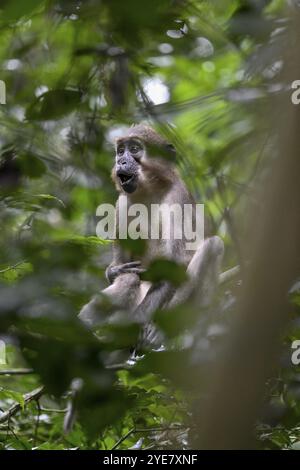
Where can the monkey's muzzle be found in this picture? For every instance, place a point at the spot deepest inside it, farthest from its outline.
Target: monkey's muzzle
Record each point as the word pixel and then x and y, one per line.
pixel 127 181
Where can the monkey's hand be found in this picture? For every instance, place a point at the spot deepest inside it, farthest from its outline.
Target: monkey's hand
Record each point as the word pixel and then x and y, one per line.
pixel 112 272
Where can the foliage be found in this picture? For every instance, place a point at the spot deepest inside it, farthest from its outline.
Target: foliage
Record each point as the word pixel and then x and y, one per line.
pixel 204 72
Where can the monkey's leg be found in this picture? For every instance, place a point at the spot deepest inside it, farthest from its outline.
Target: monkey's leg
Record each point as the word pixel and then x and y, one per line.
pixel 157 296
pixel 203 272
pixel 123 294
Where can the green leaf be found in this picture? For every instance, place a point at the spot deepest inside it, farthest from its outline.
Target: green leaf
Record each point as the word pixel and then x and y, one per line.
pixel 89 241
pixel 16 396
pixel 135 247
pixel 32 166
pixel 49 197
pixel 54 104
pixel 14 9
pixel 96 411
pixel 175 321
pixel 118 336
pixel 173 365
pixel 11 274
pixel 165 270
pixel 50 446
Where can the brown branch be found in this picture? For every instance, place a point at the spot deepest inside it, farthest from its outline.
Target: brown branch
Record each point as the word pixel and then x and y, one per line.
pixel 238 383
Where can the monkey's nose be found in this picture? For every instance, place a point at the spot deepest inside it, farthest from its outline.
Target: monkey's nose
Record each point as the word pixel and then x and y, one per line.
pixel 122 170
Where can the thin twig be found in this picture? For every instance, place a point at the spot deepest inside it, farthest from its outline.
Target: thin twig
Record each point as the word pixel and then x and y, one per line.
pixel 37 423
pixel 123 438
pixel 146 430
pixel 28 397
pixel 10 429
pixel 123 365
pixel 14 266
pixel 53 410
pixel 16 371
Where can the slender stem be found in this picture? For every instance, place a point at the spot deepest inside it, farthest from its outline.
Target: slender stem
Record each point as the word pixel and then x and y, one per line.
pixel 123 438
pixel 9 268
pixel 145 430
pixel 28 397
pixel 16 371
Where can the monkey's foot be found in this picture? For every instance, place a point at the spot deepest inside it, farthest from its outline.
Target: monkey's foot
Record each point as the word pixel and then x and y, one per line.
pixel 132 267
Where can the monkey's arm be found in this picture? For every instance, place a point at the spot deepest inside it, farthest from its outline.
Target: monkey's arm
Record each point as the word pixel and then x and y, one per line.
pixel 157 296
pixel 121 265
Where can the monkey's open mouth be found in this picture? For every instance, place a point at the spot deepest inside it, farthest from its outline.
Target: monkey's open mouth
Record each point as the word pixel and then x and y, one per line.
pixel 125 179
pixel 128 182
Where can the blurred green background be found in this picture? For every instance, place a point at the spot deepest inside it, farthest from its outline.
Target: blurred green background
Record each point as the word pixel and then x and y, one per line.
pixel 76 73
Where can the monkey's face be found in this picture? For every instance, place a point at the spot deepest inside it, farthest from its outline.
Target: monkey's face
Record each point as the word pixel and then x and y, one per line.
pixel 128 157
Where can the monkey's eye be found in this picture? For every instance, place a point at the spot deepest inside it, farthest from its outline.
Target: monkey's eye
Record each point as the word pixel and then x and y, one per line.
pixel 135 148
pixel 121 150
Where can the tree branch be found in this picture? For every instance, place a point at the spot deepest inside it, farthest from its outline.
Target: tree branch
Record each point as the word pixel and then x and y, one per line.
pixel 28 397
pixel 16 371
pixel 9 268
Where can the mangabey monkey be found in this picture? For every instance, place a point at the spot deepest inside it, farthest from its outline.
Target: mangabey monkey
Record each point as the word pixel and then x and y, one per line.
pixel 145 173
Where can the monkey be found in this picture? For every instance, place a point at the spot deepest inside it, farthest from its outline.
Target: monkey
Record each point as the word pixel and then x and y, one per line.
pixel 145 172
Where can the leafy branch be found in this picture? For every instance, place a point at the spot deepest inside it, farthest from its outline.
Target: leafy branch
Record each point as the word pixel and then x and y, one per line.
pixel 28 397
